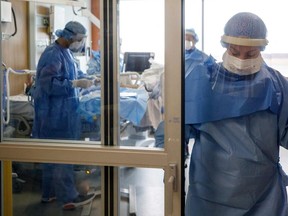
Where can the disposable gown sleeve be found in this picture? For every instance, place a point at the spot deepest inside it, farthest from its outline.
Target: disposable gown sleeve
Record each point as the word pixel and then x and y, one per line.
pixel 53 80
pixel 284 139
pixel 283 128
pixel 81 74
pixel 159 135
pixel 283 114
pixel 190 132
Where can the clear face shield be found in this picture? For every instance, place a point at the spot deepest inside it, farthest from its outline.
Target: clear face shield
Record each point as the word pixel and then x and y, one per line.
pixel 241 61
pixel 244 58
pixel 190 40
pixel 188 45
pixel 78 44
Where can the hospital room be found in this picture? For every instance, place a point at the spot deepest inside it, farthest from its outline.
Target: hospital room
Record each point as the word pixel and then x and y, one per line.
pixel 143 107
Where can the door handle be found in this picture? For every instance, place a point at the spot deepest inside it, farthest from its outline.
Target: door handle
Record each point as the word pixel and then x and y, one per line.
pixel 172 187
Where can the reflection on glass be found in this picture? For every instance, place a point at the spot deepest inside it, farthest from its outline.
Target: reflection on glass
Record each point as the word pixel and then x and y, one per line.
pixel 52 189
pixel 141 71
pixel 145 189
pixel 50 102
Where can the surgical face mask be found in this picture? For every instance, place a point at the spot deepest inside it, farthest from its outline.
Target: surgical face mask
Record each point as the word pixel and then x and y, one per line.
pixel 188 45
pixel 242 67
pixel 77 46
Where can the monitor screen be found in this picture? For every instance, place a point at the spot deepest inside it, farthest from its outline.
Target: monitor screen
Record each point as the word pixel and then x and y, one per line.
pixel 137 61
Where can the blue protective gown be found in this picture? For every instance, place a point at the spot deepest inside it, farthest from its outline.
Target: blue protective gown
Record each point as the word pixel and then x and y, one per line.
pixel 193 57
pixel 55 100
pixel 56 117
pixel 238 123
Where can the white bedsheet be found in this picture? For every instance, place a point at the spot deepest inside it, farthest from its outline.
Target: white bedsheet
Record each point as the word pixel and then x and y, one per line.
pixel 19 105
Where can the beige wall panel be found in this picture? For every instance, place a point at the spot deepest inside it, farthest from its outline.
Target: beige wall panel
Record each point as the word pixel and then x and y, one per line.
pixel 15 50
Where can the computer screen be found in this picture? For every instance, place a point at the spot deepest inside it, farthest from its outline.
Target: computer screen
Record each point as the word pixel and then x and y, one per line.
pixel 137 61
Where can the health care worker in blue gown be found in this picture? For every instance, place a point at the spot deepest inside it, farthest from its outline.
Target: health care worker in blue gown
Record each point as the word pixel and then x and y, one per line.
pixel 56 102
pixel 193 56
pixel 237 112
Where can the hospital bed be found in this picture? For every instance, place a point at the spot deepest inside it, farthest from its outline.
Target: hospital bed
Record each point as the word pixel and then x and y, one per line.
pixel 19 110
pixel 132 107
pixel 139 113
pixel 18 107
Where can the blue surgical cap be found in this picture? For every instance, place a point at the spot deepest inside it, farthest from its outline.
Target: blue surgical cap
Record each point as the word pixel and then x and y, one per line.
pixel 73 29
pixel 245 25
pixel 192 32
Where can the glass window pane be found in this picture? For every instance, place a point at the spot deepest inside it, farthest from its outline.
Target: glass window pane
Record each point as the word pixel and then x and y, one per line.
pixel 58 97
pixel 141 190
pixel 145 188
pixel 141 70
pixel 55 189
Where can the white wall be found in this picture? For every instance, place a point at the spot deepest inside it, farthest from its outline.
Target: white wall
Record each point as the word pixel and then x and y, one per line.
pixel 142 27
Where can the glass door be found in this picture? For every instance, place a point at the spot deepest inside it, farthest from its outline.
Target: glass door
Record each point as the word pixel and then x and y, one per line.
pixel 113 167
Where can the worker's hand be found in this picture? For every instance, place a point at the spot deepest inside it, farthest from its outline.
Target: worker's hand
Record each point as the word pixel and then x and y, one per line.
pixel 82 83
pixel 97 81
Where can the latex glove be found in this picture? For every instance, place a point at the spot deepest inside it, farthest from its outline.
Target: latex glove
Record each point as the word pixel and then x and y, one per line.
pixel 97 81
pixel 82 83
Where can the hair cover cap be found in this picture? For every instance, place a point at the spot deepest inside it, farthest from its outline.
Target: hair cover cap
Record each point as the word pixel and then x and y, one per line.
pixel 245 29
pixel 72 30
pixel 192 32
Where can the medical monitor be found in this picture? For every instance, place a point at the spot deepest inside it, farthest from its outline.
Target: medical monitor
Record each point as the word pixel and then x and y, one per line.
pixel 137 61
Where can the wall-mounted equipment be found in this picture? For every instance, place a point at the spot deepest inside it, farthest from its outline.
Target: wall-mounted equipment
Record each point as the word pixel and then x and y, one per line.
pixel 74 3
pixel 6 12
